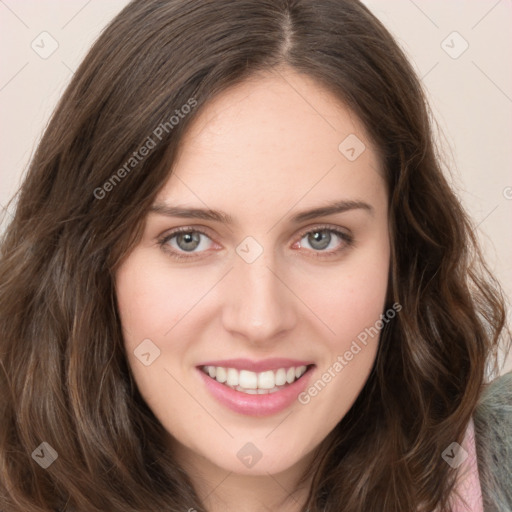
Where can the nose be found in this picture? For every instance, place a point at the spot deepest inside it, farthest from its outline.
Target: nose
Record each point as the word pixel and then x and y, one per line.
pixel 259 306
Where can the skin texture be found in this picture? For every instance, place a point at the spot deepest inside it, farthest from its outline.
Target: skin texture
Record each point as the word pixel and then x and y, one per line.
pixel 261 152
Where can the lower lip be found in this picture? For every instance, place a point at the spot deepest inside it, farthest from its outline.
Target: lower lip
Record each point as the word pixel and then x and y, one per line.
pixel 256 405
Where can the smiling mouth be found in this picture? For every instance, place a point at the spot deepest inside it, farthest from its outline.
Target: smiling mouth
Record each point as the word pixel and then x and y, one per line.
pixel 256 383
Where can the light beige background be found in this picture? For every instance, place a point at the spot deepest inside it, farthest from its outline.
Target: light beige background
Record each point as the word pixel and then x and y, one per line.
pixel 470 91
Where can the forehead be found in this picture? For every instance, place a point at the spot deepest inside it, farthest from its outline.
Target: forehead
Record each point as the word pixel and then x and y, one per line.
pixel 273 138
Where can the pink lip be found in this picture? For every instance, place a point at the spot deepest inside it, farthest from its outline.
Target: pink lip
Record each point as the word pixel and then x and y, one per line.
pixel 257 366
pixel 256 405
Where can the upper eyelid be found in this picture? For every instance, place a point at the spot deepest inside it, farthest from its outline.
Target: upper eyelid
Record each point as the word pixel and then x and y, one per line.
pixel 320 227
pixel 205 230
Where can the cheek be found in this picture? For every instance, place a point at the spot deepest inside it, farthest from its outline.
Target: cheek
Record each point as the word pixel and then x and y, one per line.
pixel 350 302
pixel 152 300
pixel 349 298
pixel 351 309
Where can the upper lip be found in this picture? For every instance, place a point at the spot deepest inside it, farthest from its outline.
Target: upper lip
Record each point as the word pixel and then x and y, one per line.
pixel 257 366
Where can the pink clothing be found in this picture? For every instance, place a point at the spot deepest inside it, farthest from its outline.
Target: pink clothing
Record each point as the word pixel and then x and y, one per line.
pixel 468 482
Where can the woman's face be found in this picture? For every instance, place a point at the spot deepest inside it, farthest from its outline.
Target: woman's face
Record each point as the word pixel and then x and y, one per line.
pixel 259 286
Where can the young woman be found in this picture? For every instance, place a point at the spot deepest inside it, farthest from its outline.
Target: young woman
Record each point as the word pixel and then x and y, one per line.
pixel 236 278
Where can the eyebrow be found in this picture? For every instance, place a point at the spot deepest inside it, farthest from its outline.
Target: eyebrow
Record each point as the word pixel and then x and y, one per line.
pixel 224 218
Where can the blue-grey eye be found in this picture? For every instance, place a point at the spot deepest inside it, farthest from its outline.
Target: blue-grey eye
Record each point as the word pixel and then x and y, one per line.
pixel 320 239
pixel 188 241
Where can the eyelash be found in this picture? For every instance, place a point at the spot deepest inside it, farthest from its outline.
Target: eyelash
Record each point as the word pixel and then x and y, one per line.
pixel 345 237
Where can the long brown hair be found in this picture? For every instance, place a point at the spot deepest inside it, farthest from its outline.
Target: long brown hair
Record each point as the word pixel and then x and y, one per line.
pixel 64 378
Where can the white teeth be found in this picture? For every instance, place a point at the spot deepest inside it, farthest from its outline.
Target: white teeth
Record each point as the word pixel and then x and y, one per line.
pixel 281 377
pixel 232 379
pixel 253 383
pixel 266 380
pixel 248 380
pixel 257 391
pixel 221 374
pixel 299 371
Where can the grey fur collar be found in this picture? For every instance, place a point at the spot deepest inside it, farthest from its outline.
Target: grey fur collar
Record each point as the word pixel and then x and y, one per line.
pixel 493 441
